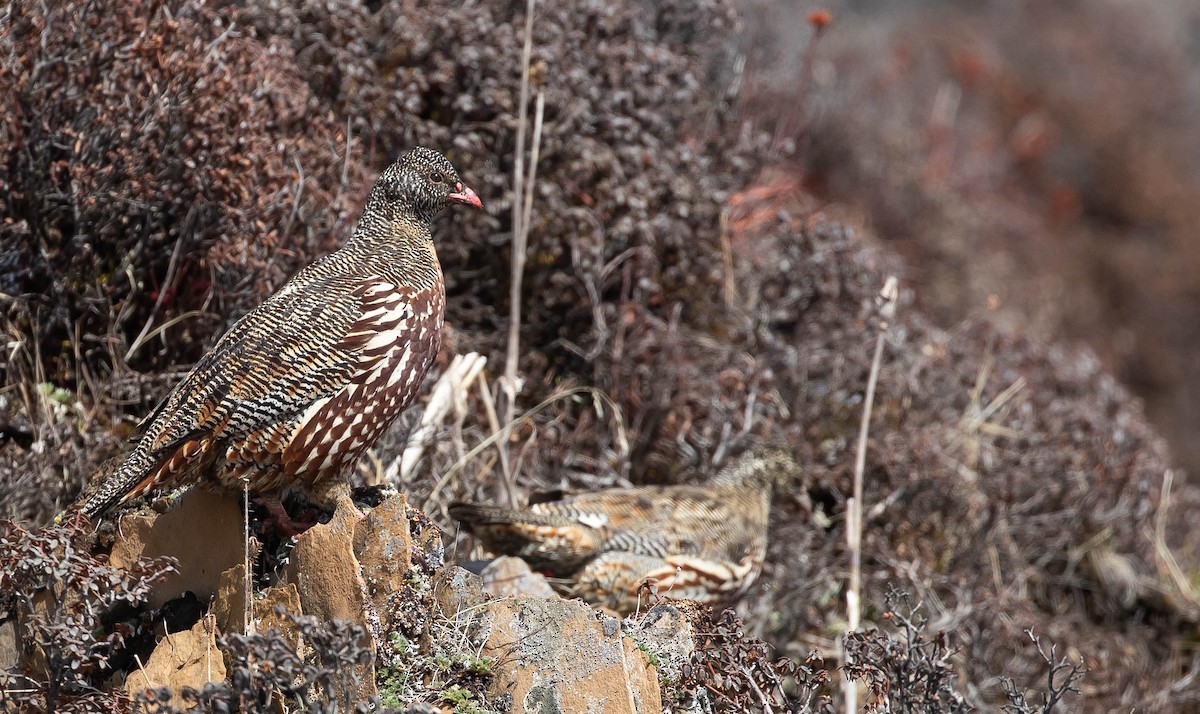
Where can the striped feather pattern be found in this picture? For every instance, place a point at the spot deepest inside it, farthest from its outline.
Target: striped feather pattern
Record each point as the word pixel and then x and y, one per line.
pixel 298 388
pixel 700 542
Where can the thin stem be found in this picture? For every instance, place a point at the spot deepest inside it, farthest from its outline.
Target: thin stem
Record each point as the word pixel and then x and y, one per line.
pixel 522 209
pixel 248 605
pixel 854 510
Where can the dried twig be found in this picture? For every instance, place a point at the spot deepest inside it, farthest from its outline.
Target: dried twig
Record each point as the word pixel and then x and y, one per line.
pixel 792 130
pixel 247 582
pixel 163 290
pixel 1057 686
pixel 730 287
pixel 976 420
pixel 489 409
pixel 142 670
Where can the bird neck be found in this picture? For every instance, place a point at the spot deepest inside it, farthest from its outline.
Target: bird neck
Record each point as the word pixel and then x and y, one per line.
pixel 396 245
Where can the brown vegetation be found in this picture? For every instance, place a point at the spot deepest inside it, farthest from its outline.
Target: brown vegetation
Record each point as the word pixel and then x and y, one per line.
pixel 169 164
pixel 1034 163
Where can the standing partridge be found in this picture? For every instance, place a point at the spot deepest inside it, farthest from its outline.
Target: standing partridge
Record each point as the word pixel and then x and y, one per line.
pixel 703 543
pixel 295 391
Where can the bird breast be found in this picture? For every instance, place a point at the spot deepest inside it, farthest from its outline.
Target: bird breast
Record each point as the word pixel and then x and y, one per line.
pixel 396 339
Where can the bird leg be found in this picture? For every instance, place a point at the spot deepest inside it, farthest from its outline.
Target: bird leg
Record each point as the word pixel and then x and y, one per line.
pixel 279 520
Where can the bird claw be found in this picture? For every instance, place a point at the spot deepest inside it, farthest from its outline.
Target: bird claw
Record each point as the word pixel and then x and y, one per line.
pixel 279 520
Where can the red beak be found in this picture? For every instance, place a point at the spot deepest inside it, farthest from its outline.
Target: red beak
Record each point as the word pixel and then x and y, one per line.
pixel 463 194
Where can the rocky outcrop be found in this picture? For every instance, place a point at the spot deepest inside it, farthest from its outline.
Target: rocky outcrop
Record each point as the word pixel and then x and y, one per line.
pixel 325 571
pixel 557 655
pixel 362 612
pixel 181 659
pixel 271 606
pixel 203 533
pixel 508 576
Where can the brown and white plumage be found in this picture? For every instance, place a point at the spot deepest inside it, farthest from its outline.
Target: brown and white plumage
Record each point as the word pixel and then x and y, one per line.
pixel 703 543
pixel 295 391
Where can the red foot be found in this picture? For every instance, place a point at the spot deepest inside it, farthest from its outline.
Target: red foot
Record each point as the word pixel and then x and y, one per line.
pixel 280 521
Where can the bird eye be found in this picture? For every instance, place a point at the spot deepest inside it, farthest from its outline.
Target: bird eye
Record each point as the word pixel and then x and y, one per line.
pixel 436 177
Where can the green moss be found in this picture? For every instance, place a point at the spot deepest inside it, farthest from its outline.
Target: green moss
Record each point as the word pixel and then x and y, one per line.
pixel 462 701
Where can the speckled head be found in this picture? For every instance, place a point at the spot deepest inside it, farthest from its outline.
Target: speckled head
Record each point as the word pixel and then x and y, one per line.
pixel 766 468
pixel 422 182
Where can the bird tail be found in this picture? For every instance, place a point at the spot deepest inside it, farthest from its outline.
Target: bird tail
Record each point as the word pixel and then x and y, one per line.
pixel 118 481
pixel 473 515
pixel 547 541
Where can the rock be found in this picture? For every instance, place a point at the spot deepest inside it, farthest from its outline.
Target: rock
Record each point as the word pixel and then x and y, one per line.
pixel 426 540
pixel 230 600
pixel 666 633
pixel 642 676
pixel 228 605
pixel 373 552
pixel 399 551
pixel 272 608
pixel 555 655
pixel 457 596
pixel 204 533
pixel 382 548
pixel 181 659
pixel 361 569
pixel 10 645
pixel 324 570
pixel 507 576
pixel 327 578
pixel 455 590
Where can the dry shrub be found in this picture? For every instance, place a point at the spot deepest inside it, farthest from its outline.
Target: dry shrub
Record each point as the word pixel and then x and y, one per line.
pixel 268 669
pixel 161 168
pixel 1036 163
pixel 73 616
pixel 731 672
pixel 983 504
pixel 706 341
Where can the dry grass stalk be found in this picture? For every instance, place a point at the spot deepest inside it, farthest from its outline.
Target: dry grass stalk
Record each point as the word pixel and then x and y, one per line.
pixel 522 210
pixel 730 288
pixel 1183 585
pixel 247 580
pixel 450 391
pixel 976 421
pixel 600 401
pixel 886 303
pixel 172 267
pixel 489 409
pixel 142 671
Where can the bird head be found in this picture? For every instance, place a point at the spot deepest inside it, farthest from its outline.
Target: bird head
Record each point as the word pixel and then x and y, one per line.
pixel 422 183
pixel 766 467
